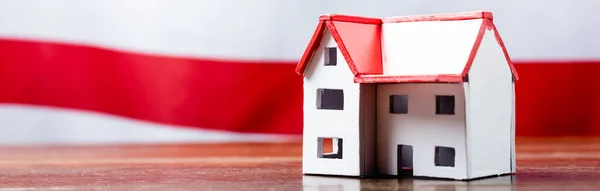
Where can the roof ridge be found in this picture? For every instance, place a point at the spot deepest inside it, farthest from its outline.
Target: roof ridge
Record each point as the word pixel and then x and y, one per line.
pixel 350 18
pixel 440 17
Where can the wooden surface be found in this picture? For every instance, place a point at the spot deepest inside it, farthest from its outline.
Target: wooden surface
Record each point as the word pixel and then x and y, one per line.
pixel 543 164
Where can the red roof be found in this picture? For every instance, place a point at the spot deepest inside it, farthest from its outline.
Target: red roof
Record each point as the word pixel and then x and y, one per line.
pixel 359 40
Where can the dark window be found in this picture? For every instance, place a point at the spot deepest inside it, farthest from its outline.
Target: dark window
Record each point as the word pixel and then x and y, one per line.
pixel 405 156
pixel 444 156
pixel 329 148
pixel 332 99
pixel 444 104
pixel 405 160
pixel 399 104
pixel 330 56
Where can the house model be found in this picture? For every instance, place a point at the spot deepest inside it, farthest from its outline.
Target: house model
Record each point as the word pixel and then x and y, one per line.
pixel 423 96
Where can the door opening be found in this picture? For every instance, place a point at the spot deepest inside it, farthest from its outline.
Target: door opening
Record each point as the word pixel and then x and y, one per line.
pixel 405 160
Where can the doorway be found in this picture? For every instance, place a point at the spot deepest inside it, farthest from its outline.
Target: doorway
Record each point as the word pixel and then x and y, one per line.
pixel 405 160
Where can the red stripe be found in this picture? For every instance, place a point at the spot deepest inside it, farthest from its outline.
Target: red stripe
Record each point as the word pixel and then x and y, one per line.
pixel 557 98
pixel 553 97
pixel 225 95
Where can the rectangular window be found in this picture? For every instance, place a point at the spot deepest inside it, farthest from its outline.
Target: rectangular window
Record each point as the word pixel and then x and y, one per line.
pixel 405 156
pixel 331 99
pixel 444 156
pixel 330 56
pixel 399 104
pixel 444 104
pixel 330 148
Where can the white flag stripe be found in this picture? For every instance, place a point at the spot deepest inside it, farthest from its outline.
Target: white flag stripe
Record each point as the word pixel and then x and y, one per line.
pixel 279 30
pixel 22 125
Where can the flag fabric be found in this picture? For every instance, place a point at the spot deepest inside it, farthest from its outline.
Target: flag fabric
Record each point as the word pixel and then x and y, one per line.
pixel 85 71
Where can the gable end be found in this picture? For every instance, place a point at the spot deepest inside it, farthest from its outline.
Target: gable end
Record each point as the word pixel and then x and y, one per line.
pixel 486 25
pixel 311 48
pixel 363 55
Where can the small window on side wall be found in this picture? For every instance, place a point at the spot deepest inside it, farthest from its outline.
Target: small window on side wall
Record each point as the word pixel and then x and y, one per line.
pixel 329 147
pixel 330 56
pixel 399 104
pixel 444 104
pixel 444 156
pixel 330 99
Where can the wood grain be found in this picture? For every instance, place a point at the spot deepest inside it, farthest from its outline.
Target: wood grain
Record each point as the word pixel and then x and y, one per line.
pixel 571 163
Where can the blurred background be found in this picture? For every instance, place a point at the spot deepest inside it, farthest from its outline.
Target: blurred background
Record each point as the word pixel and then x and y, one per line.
pixel 133 71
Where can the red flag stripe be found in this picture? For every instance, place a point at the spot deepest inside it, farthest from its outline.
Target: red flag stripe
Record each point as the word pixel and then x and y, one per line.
pixel 558 98
pixel 554 98
pixel 223 95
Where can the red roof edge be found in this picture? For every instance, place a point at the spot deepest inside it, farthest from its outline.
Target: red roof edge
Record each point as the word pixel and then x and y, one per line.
pixel 447 78
pixel 482 28
pixel 501 43
pixel 310 49
pixel 441 17
pixel 350 18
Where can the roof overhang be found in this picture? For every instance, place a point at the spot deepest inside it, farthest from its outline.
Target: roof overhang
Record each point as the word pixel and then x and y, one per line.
pixel 448 78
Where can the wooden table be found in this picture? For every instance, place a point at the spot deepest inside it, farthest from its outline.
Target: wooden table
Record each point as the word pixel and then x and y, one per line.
pixel 543 164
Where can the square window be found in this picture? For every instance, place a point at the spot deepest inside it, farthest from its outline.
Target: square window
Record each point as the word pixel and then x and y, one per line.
pixel 399 104
pixel 331 99
pixel 330 56
pixel 444 104
pixel 330 148
pixel 444 156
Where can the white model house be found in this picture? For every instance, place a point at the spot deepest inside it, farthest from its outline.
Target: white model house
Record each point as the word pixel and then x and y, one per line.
pixel 425 96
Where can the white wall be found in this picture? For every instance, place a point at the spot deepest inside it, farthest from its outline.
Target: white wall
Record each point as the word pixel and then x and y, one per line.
pixel 513 131
pixel 331 123
pixel 421 128
pixel 489 126
pixel 408 46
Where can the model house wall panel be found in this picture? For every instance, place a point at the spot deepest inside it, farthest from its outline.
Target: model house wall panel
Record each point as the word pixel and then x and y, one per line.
pixel 368 122
pixel 331 123
pixel 428 47
pixel 466 93
pixel 512 133
pixel 491 107
pixel 421 128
